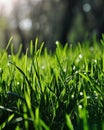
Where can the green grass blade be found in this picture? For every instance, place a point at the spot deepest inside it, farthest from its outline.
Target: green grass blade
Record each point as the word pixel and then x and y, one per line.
pixel 22 73
pixel 69 123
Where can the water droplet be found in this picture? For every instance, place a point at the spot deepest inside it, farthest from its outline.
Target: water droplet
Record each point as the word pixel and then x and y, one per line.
pixel 81 93
pixel 8 64
pixel 9 56
pixel 80 56
pixel 57 42
pixel 80 106
pixel 88 97
pixel 18 83
pixel 95 61
pixel 72 96
pixel 43 67
pixel 64 69
pixel 74 67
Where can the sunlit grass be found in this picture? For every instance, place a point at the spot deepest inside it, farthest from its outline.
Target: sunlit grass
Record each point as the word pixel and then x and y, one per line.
pixel 60 91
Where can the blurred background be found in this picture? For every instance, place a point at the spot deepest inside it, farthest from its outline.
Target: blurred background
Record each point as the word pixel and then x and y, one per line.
pixel 50 20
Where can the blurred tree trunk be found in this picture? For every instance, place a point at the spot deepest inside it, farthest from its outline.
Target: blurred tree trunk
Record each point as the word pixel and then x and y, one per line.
pixel 99 15
pixel 22 37
pixel 67 19
pixel 19 31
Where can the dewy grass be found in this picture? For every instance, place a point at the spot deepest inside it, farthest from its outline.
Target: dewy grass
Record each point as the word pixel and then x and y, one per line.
pixel 59 91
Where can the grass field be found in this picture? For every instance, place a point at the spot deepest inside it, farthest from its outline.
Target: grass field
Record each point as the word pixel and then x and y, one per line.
pixel 60 91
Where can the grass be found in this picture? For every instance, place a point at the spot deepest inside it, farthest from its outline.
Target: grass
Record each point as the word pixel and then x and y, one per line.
pixel 61 91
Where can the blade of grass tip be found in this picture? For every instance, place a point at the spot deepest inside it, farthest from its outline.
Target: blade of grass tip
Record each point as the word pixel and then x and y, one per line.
pixel 10 117
pixel 9 43
pixel 69 123
pixel 36 44
pixel 38 51
pixel 2 126
pixel 7 47
pixel 31 48
pixel 17 128
pixel 22 73
pixel 12 49
pixel 19 50
pixel 41 47
pixel 59 64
